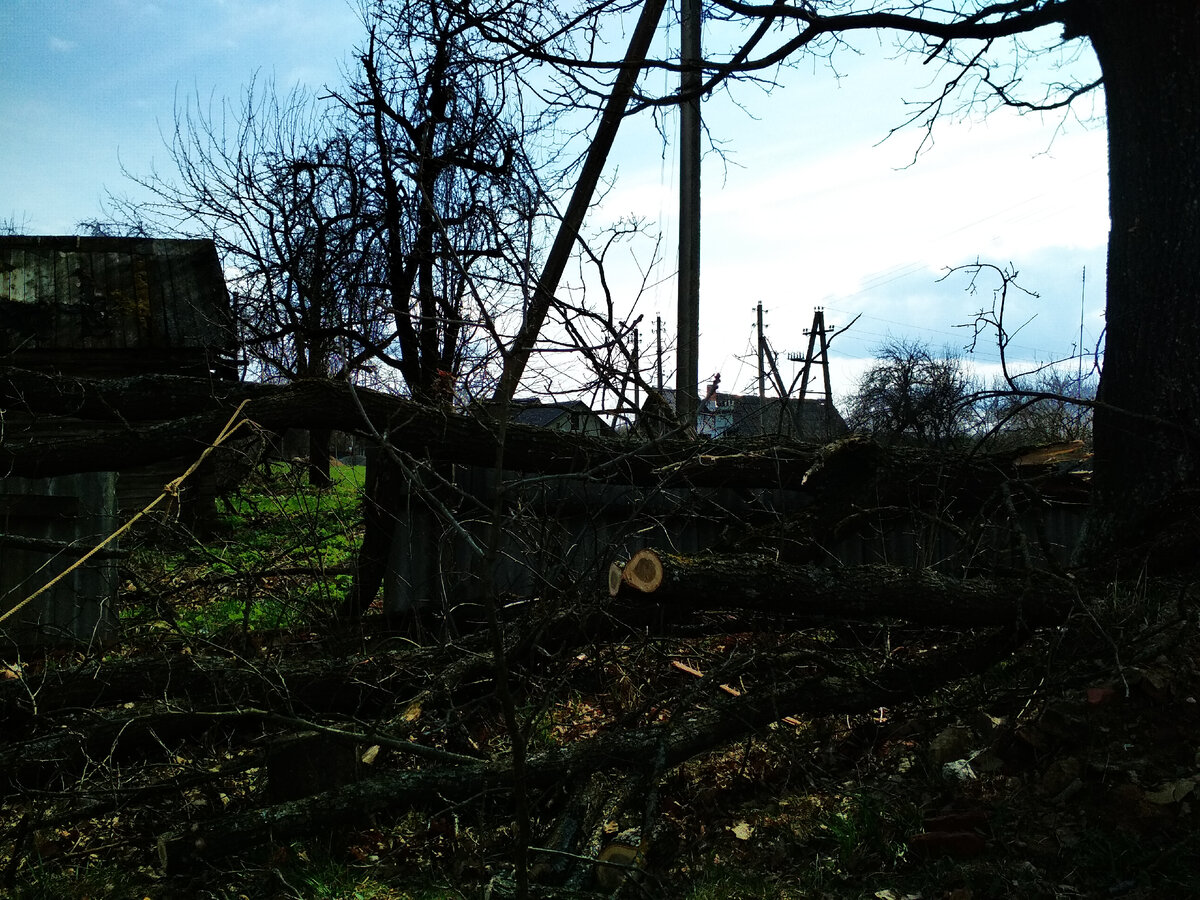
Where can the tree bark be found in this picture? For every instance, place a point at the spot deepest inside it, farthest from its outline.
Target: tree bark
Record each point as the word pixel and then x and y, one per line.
pixel 751 583
pixel 319 443
pixel 1146 429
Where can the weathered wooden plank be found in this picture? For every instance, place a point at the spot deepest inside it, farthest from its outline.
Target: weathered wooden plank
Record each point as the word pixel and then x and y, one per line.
pixel 74 510
pixel 96 325
pixel 44 281
pixel 9 269
pixel 65 287
pixel 118 301
pixel 140 276
pixel 165 289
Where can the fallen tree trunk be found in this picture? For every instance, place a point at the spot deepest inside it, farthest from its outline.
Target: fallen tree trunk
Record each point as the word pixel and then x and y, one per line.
pixel 201 408
pixel 658 748
pixel 351 685
pixel 82 743
pixel 139 433
pixel 854 593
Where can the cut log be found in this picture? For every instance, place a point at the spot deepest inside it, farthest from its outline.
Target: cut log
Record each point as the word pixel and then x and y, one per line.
pixel 614 578
pixel 752 583
pixel 643 572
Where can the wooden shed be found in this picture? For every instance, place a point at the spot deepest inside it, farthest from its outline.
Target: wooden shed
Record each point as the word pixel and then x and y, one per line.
pixel 112 307
pixel 84 307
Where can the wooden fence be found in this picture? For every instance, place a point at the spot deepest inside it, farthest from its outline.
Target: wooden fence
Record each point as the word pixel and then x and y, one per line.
pixel 558 532
pixel 68 516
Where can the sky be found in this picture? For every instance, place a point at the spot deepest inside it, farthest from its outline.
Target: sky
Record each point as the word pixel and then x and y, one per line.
pixel 806 205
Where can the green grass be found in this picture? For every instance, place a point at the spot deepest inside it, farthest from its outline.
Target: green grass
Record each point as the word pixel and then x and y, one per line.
pixel 51 882
pixel 273 561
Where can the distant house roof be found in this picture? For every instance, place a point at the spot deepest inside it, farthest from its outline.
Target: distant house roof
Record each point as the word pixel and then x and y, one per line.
pixel 735 415
pixel 114 306
pixel 566 415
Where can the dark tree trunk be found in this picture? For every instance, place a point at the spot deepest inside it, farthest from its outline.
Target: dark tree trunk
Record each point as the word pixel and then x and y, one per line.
pixel 751 583
pixel 379 525
pixel 1146 431
pixel 319 444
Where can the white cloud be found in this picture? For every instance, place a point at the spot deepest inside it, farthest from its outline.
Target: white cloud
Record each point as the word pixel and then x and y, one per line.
pixel 62 45
pixel 799 225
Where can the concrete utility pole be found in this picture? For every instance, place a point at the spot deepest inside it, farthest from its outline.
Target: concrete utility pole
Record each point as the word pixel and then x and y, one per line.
pixel 687 376
pixel 658 340
pixel 762 368
pixel 818 332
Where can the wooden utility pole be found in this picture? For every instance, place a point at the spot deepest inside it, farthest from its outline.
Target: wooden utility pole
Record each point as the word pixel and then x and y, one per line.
pixel 817 333
pixel 589 176
pixel 637 374
pixel 687 352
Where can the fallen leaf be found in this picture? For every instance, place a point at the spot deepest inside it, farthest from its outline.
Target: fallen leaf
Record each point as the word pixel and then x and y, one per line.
pixel 742 831
pixel 1172 792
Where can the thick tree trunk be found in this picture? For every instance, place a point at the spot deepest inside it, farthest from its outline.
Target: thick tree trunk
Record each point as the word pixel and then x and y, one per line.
pixel 136 433
pixel 102 425
pixel 380 500
pixel 1146 431
pixel 319 441
pixel 751 583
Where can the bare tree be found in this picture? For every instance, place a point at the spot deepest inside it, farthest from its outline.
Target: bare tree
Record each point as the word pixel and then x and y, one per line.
pixel 1144 60
pixel 275 184
pixel 452 191
pixel 1043 407
pixel 911 395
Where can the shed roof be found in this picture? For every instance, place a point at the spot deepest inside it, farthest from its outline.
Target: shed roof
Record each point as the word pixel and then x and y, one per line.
pixel 70 294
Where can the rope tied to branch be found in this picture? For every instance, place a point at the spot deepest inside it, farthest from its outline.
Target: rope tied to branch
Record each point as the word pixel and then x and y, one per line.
pixel 171 489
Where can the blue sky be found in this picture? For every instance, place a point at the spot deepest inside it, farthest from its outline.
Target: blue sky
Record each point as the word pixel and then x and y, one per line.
pixel 808 209
pixel 89 83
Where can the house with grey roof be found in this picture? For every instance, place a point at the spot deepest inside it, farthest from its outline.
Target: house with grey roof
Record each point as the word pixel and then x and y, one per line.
pixel 572 416
pixel 736 416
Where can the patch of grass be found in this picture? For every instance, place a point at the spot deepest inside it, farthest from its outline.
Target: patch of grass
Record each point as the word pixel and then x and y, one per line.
pixel 220 614
pixel 721 882
pixel 868 833
pixel 96 881
pixel 279 558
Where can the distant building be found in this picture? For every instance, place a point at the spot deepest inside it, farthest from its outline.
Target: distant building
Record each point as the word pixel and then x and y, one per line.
pixel 736 416
pixel 573 416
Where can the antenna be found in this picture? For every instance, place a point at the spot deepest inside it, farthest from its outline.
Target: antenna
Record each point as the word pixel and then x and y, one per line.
pixel 1082 296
